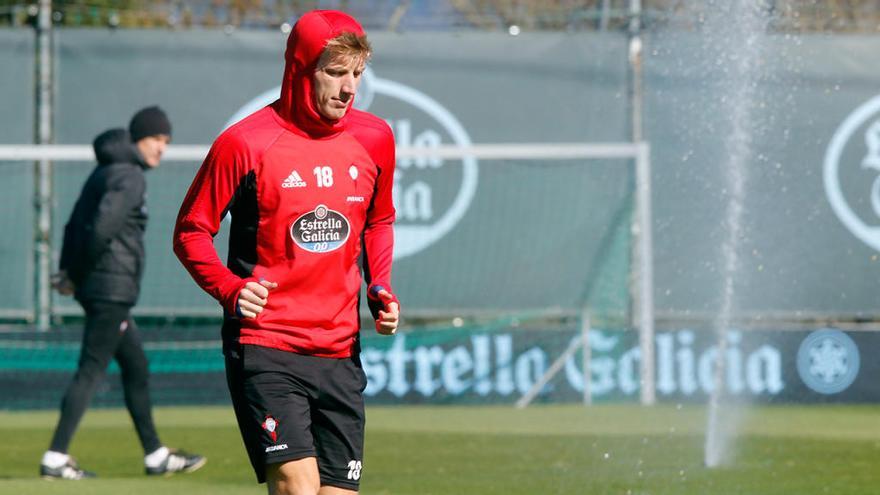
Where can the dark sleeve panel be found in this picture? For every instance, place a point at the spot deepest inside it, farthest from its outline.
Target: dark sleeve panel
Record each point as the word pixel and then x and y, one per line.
pixel 212 193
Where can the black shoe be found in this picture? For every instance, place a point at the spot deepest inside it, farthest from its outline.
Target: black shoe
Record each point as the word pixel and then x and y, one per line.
pixel 178 461
pixel 69 471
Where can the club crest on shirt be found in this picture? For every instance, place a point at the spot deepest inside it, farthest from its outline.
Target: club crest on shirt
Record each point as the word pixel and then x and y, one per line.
pixel 320 231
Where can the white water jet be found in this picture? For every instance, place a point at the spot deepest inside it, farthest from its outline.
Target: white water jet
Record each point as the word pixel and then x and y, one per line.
pixel 736 29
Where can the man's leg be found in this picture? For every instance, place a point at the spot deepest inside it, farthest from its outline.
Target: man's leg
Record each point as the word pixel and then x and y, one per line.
pixel 158 459
pixel 338 421
pixel 272 409
pixel 100 338
pixel 135 383
pixel 332 490
pixel 249 428
pixel 299 477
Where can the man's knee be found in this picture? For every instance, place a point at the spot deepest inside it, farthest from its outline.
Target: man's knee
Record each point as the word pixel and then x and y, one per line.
pixel 135 372
pixel 90 370
pixel 292 487
pixel 299 477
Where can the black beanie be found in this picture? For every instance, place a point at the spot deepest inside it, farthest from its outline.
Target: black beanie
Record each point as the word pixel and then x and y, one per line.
pixel 150 121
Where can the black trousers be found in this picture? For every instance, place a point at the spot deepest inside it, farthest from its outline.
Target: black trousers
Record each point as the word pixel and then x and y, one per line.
pixel 110 332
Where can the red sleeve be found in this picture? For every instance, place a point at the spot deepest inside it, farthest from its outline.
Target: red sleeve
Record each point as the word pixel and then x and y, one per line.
pixel 378 231
pixel 209 197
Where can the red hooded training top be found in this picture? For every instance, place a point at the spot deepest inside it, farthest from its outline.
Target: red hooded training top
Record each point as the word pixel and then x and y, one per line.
pixel 307 195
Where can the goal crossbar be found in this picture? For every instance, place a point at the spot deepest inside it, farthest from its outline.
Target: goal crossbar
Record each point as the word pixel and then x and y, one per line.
pixel 493 151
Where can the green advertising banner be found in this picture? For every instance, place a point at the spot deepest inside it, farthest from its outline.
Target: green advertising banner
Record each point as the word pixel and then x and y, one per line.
pixel 495 364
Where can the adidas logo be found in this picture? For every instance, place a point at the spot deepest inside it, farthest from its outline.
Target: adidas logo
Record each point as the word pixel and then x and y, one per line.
pixel 293 180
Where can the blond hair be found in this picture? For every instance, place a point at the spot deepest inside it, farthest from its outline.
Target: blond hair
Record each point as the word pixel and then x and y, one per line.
pixel 347 47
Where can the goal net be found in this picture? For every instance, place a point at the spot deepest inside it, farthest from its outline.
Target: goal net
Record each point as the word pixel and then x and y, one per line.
pixel 531 238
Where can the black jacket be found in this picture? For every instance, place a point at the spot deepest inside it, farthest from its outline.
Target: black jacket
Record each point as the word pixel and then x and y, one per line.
pixel 103 250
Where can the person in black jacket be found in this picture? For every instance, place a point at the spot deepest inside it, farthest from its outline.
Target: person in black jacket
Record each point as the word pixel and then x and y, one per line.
pixel 102 261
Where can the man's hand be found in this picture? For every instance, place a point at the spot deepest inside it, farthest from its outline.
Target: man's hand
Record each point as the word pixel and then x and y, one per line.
pixel 253 298
pixel 389 318
pixel 62 283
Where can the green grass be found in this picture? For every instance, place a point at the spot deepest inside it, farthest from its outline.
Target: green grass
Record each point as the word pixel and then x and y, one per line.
pixel 608 449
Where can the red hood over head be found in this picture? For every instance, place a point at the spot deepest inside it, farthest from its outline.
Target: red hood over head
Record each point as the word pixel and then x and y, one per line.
pixel 304 47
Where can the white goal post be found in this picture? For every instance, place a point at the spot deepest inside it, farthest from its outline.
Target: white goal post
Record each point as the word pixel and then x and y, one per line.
pixel 638 153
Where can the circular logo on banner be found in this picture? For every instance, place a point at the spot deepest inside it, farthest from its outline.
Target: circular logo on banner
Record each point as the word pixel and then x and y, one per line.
pixel 854 154
pixel 828 361
pixel 431 194
pixel 320 231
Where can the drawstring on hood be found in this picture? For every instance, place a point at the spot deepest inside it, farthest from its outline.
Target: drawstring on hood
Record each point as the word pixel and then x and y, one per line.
pixel 304 47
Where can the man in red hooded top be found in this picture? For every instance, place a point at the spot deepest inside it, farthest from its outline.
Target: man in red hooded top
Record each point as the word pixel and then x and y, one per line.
pixel 307 181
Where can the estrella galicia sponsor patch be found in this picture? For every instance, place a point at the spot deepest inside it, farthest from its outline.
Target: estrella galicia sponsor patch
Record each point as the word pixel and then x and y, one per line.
pixel 320 231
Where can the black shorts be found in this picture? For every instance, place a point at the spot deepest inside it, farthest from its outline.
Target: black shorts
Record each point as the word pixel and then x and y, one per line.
pixel 291 406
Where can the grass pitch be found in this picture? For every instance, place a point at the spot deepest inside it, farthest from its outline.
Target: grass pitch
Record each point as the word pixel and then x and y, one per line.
pixel 606 449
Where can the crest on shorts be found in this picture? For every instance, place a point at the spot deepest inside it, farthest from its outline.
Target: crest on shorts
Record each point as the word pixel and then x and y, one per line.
pixel 270 424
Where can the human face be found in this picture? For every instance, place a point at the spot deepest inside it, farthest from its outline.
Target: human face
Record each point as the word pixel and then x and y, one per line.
pixel 335 83
pixel 152 148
